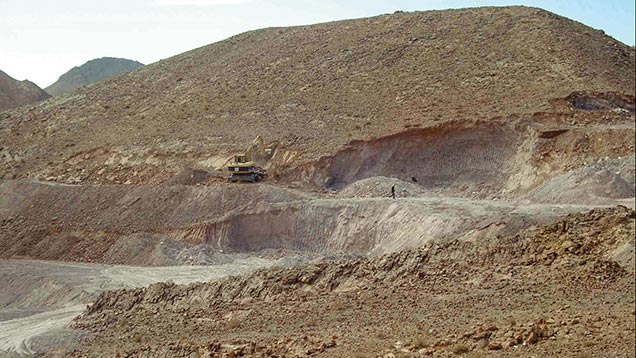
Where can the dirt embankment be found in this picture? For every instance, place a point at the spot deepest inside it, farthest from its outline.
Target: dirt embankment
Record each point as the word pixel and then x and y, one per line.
pixel 582 152
pixel 500 158
pixel 560 289
pixel 119 224
pixel 167 225
pixel 457 157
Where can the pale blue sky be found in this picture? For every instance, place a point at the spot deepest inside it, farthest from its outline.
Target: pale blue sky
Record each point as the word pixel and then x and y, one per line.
pixel 41 39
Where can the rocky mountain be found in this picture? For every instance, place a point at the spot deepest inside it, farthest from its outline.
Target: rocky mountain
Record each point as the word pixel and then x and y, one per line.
pixel 92 71
pixel 14 93
pixel 315 88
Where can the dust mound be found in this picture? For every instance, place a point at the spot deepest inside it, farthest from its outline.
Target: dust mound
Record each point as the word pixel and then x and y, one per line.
pixel 92 71
pixel 315 88
pixel 14 93
pixel 592 184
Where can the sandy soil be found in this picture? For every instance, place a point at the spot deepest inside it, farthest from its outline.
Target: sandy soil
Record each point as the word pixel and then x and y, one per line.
pixel 42 297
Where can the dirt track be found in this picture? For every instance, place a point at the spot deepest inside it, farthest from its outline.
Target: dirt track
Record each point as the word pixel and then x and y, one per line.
pixel 168 225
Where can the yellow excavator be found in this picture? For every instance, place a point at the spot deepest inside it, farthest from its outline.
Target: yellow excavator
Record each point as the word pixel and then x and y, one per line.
pixel 247 166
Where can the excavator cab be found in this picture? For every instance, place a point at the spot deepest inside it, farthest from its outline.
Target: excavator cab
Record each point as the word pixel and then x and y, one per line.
pixel 242 158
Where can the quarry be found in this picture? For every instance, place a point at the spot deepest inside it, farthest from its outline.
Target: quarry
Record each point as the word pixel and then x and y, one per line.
pixel 511 232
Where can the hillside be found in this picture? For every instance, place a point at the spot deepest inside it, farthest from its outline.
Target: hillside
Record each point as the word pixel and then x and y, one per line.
pixel 92 71
pixel 315 88
pixel 14 93
pixel 505 134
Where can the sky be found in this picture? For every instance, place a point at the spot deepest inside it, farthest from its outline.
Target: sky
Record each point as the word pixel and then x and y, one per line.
pixel 42 39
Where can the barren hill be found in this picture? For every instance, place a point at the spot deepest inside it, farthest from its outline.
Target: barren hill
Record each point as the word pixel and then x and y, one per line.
pixel 14 93
pixel 92 71
pixel 315 88
pixel 492 125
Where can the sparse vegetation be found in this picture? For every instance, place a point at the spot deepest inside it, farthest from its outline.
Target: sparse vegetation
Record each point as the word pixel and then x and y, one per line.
pixel 242 86
pixel 460 348
pixel 421 341
pixel 233 323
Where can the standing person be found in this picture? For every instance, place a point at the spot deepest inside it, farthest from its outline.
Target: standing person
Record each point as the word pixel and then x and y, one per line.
pixel 393 191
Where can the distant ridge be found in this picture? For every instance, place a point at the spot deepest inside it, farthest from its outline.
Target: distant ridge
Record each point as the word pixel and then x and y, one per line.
pixel 92 71
pixel 14 93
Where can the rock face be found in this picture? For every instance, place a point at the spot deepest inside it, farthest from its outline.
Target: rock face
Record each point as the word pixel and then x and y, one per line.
pixel 567 268
pixel 92 71
pixel 14 93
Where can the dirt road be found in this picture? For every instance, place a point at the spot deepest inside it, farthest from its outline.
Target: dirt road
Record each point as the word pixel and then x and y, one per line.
pixel 40 297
